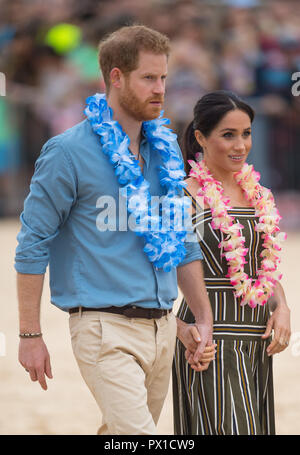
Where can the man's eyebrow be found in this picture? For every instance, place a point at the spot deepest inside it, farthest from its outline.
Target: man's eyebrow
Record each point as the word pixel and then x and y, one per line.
pixel 234 129
pixel 150 73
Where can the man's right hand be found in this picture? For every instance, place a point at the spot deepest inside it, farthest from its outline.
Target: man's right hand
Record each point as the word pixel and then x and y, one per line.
pixel 35 358
pixel 190 338
pixel 207 356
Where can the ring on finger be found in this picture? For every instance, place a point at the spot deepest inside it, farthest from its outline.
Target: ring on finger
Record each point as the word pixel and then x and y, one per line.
pixel 283 343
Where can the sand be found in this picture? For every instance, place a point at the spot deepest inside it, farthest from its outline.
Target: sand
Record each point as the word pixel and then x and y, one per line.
pixel 67 407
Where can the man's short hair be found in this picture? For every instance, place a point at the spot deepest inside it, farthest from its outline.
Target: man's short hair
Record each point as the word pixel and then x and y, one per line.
pixel 121 48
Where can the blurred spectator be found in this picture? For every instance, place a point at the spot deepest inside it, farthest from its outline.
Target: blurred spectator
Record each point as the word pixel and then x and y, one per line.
pixel 48 52
pixel 192 69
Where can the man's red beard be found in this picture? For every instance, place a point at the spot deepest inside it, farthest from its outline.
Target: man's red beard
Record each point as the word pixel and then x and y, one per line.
pixel 140 111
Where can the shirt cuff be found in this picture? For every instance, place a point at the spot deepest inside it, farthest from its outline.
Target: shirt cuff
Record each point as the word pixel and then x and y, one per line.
pixel 193 253
pixel 31 268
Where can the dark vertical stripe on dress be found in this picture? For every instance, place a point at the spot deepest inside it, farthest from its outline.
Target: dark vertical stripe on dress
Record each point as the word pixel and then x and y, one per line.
pixel 204 413
pixel 254 247
pixel 219 388
pixel 245 390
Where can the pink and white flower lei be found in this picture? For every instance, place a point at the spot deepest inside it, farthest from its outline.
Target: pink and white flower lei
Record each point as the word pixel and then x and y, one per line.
pixel 233 244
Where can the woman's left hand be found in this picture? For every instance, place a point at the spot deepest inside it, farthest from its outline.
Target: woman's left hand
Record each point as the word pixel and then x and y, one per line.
pixel 279 321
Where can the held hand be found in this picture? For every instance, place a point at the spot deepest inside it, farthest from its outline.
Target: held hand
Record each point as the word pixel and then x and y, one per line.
pixel 279 321
pixel 207 356
pixel 190 338
pixel 34 357
pixel 205 331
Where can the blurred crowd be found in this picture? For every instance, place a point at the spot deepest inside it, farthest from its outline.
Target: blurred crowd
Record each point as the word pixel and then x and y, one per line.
pixel 49 56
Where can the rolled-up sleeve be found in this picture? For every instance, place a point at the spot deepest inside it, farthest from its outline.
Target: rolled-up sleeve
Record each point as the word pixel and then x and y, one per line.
pixel 52 193
pixel 193 250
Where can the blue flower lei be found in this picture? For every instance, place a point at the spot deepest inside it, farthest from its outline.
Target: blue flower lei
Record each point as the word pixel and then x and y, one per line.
pixel 164 245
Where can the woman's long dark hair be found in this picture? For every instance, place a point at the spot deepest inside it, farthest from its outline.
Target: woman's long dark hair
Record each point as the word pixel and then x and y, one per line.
pixel 208 112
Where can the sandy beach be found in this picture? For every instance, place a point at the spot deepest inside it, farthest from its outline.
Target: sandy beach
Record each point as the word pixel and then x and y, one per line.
pixel 67 407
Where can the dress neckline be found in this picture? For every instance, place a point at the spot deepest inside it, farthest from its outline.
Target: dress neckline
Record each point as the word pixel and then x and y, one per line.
pixel 232 208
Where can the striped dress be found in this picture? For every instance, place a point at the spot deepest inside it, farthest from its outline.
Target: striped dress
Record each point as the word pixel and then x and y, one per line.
pixel 235 395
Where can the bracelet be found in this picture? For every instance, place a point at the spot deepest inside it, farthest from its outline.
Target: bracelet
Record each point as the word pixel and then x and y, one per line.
pixel 30 335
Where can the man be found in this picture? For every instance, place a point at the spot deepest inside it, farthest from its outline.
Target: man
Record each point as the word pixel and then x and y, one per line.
pixel 122 327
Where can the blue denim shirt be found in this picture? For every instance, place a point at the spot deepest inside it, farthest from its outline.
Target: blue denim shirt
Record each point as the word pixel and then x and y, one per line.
pixel 60 226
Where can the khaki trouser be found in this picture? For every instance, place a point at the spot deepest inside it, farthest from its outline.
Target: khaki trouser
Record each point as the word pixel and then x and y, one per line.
pixel 126 364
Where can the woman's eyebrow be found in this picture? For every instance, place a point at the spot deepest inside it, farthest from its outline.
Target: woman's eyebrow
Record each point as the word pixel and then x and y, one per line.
pixel 234 129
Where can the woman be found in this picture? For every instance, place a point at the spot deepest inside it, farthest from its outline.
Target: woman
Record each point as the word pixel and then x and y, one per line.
pixel 237 227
